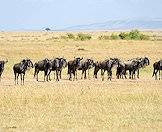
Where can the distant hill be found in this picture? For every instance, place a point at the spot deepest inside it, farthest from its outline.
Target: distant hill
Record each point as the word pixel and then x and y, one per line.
pixel 119 25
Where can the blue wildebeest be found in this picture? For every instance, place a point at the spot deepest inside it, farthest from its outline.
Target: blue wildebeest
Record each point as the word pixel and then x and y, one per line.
pixel 57 65
pixel 105 65
pixel 133 66
pixel 2 63
pixel 86 65
pixel 157 68
pixel 20 69
pixel 73 67
pixel 43 65
pixel 120 71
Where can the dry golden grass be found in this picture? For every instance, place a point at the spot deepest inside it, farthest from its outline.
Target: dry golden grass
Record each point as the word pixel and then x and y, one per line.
pixel 83 105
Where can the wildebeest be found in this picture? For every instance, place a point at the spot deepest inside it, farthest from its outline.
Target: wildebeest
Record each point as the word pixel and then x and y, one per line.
pixel 20 69
pixel 133 66
pixel 63 64
pixel 57 65
pixel 120 71
pixel 105 65
pixel 43 65
pixel 2 63
pixel 157 67
pixel 86 65
pixel 142 63
pixel 73 66
pixel 97 67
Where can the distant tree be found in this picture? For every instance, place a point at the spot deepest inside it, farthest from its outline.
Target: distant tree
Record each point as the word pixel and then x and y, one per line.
pixel 47 29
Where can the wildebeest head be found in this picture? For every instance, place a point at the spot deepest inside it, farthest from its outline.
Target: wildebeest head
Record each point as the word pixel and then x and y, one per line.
pixel 143 62
pixel 25 64
pixel 77 61
pixel 146 61
pixel 3 62
pixel 56 62
pixel 90 63
pixel 63 62
pixel 114 61
pixel 29 63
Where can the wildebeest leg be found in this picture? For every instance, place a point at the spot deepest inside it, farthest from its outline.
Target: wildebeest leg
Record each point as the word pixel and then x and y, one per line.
pixel 159 74
pixel 156 74
pixel 68 73
pixel 37 75
pixel 133 74
pixel 125 74
pixel 117 74
pixel 85 72
pixel 57 75
pixel 82 74
pixel 88 74
pixel 130 74
pixel 102 74
pixel 49 75
pixel 21 78
pixel 15 77
pixel 18 78
pixel 60 71
pixel 75 73
pixel 110 75
pixel 70 76
pixel 138 73
pixel 0 77
pixel 35 72
pixel 95 73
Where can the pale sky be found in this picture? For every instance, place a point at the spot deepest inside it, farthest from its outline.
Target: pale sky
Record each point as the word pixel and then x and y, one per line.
pixel 36 14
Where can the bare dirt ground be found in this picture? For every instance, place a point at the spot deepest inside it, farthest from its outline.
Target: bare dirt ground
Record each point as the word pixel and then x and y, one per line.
pixel 83 105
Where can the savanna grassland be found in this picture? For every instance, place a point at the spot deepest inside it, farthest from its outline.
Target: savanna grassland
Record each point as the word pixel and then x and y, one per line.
pixel 83 105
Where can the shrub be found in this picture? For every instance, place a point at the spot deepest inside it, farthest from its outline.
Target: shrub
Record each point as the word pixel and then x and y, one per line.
pixel 124 35
pixel 70 36
pixel 103 37
pixel 134 34
pixel 144 37
pixel 83 37
pixel 114 36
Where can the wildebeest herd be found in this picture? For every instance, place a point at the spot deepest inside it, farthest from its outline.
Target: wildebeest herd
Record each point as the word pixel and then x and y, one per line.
pixel 56 65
